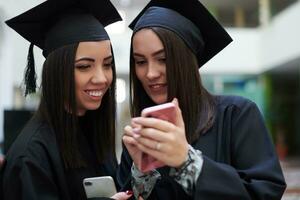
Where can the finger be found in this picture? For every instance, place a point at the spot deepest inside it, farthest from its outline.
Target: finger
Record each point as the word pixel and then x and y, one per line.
pixel 154 134
pixel 129 192
pixel 158 155
pixel 129 140
pixel 178 119
pixel 129 131
pixel 147 142
pixel 151 122
pixel 135 125
pixel 121 196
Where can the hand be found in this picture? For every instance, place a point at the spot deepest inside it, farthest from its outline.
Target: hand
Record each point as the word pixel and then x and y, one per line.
pixel 1 161
pixel 122 195
pixel 130 143
pixel 161 139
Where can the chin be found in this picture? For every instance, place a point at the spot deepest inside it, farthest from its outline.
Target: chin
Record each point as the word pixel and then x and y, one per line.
pixel 93 106
pixel 159 100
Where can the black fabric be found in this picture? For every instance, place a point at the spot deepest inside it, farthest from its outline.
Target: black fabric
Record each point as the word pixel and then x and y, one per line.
pixel 55 23
pixel 190 20
pixel 34 169
pixel 239 159
pixel 30 75
pixel 175 22
pixel 74 28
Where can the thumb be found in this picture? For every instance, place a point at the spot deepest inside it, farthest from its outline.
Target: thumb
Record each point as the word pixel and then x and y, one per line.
pixel 179 120
pixel 122 196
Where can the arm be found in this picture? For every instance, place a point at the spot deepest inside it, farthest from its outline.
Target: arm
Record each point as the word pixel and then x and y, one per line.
pixel 161 139
pixel 25 179
pixel 129 176
pixel 254 171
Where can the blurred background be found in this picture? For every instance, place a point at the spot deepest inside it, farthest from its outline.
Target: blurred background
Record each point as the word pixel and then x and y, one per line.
pixel 262 64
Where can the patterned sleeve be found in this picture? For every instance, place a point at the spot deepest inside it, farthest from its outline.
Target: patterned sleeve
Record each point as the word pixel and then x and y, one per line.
pixel 188 173
pixel 143 184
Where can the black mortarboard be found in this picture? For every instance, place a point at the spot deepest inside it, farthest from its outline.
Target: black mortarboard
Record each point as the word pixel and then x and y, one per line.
pixel 56 23
pixel 190 20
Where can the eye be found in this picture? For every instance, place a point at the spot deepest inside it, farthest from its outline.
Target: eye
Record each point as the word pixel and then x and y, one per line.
pixel 82 66
pixel 140 62
pixel 108 65
pixel 162 60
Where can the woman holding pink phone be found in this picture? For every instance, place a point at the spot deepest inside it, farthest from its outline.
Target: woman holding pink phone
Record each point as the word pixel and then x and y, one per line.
pixel 72 135
pixel 218 147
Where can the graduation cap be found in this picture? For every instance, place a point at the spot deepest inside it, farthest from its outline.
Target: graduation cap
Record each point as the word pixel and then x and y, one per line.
pixel 55 23
pixel 190 20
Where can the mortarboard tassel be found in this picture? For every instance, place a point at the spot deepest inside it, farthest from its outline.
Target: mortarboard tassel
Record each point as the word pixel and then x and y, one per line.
pixel 30 75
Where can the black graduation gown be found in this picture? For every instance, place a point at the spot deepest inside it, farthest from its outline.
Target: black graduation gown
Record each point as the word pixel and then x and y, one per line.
pixel 34 169
pixel 239 159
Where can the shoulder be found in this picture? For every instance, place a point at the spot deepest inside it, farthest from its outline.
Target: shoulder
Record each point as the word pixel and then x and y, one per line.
pixel 235 103
pixel 33 142
pixel 231 100
pixel 236 109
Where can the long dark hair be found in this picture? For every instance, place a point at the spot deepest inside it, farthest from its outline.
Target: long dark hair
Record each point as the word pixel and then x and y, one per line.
pixel 184 83
pixel 58 91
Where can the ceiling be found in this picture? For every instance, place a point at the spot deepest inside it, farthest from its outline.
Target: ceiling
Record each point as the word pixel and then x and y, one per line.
pixel 220 4
pixel 228 4
pixel 225 9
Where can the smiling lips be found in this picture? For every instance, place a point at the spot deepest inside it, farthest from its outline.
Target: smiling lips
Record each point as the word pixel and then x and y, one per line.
pixel 157 87
pixel 95 93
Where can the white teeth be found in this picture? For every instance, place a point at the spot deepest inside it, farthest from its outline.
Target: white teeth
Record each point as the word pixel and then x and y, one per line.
pixel 95 93
pixel 156 86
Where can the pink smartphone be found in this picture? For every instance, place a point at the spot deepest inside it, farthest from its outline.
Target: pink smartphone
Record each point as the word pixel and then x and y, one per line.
pixel 165 112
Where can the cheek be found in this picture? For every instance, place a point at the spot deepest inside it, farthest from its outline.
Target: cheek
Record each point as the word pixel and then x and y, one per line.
pixel 109 77
pixel 79 79
pixel 140 73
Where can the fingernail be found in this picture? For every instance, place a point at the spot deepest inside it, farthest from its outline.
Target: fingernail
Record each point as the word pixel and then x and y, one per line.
pixel 129 192
pixel 136 130
pixel 136 136
pixel 175 101
pixel 136 119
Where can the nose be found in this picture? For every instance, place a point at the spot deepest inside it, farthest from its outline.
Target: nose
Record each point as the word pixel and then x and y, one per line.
pixel 99 76
pixel 152 72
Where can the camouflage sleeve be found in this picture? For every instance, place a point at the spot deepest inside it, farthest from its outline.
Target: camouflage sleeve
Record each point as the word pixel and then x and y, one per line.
pixel 188 173
pixel 143 184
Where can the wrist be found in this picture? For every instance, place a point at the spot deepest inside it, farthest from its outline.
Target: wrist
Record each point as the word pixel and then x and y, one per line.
pixel 185 158
pixel 188 174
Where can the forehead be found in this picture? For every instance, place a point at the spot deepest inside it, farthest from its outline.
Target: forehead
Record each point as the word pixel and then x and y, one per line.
pixel 94 48
pixel 146 40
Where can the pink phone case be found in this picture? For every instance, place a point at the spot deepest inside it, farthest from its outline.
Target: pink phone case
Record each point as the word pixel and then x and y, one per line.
pixel 165 112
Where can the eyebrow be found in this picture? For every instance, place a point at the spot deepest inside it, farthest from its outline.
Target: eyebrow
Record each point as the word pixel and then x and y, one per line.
pixel 108 58
pixel 153 54
pixel 92 59
pixel 85 59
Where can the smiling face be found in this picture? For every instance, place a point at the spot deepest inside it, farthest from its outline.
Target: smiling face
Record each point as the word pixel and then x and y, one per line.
pixel 150 64
pixel 93 74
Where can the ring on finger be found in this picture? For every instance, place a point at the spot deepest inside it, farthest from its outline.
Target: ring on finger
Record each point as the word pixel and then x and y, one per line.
pixel 157 146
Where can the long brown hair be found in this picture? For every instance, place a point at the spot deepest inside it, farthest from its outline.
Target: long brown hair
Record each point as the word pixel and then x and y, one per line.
pixel 184 83
pixel 58 90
